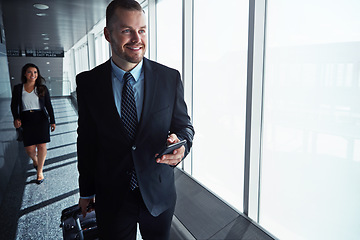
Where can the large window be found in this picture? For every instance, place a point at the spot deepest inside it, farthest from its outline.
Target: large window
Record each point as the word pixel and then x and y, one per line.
pixel 169 33
pixel 307 108
pixel 146 10
pixel 102 49
pixel 81 59
pixel 219 86
pixel 311 126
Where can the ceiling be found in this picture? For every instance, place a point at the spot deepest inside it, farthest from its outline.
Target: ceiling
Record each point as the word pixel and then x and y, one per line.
pixel 66 22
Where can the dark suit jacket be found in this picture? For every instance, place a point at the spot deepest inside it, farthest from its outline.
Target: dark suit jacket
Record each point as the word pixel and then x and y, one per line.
pixel 105 154
pixel 45 103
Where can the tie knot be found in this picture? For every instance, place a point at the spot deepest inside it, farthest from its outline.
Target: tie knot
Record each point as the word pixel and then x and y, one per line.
pixel 127 77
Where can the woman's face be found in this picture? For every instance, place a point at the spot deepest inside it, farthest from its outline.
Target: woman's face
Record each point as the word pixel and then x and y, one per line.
pixel 31 74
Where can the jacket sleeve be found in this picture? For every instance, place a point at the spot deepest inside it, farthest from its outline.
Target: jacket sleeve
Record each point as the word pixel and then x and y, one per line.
pixel 87 146
pixel 15 101
pixel 48 106
pixel 181 124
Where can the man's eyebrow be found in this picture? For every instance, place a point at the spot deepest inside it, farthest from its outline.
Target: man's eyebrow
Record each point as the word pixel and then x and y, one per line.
pixel 126 26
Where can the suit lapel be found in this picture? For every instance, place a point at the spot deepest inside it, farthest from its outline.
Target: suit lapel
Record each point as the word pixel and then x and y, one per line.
pixel 150 78
pixel 108 100
pixel 150 84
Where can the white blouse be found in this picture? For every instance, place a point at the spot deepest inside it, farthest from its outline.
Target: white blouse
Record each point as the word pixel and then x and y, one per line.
pixel 30 100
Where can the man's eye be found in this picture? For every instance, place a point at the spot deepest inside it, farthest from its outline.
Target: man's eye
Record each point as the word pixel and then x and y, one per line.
pixel 126 31
pixel 142 31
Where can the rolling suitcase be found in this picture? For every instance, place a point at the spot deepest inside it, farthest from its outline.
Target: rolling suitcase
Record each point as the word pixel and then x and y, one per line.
pixel 75 226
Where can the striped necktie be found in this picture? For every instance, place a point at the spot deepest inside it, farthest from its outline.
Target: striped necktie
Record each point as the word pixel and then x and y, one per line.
pixel 128 107
pixel 129 116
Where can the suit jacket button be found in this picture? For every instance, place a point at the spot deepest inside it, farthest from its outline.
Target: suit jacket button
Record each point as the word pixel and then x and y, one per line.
pixel 134 147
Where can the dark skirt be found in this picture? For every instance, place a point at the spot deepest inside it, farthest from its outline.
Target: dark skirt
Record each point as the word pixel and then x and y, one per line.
pixel 36 127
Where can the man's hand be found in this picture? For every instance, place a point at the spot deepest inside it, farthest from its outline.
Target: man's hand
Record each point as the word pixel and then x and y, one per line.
pixel 52 127
pixel 176 156
pixel 84 203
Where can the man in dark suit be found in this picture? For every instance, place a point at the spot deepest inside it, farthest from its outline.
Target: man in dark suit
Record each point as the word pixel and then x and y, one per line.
pixel 117 164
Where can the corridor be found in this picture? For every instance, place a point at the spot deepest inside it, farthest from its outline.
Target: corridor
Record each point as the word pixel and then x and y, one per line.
pixel 31 211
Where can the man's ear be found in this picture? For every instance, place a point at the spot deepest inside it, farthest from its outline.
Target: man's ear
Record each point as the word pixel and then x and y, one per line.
pixel 107 34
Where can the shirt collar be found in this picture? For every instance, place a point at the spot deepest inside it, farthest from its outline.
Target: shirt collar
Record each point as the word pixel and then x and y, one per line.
pixel 119 73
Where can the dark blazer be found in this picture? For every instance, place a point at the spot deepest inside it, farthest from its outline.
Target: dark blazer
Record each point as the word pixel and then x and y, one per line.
pixel 45 103
pixel 105 154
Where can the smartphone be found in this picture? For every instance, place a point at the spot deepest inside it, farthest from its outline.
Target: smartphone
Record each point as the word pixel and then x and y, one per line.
pixel 171 148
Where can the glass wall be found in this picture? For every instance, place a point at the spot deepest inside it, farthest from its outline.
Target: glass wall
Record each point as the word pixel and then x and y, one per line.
pixel 311 134
pixel 81 59
pixel 102 49
pixel 169 33
pixel 146 10
pixel 219 90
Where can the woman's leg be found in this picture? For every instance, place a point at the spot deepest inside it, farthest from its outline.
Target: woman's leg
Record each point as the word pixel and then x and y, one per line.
pixel 31 152
pixel 41 155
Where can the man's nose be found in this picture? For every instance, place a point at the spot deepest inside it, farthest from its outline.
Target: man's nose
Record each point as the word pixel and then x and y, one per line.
pixel 135 37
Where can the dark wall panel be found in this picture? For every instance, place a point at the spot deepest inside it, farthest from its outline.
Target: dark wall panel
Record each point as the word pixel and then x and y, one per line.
pixel 8 144
pixel 5 91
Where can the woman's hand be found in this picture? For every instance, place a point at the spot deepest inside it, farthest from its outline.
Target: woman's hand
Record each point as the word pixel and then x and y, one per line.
pixel 52 127
pixel 17 123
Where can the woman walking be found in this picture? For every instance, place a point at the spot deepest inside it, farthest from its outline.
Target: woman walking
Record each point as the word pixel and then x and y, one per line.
pixel 31 108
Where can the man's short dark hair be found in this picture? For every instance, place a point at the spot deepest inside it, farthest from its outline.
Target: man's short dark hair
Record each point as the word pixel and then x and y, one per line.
pixel 131 5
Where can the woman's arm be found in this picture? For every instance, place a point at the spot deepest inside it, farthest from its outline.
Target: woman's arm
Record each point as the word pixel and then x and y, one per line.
pixel 49 107
pixel 15 101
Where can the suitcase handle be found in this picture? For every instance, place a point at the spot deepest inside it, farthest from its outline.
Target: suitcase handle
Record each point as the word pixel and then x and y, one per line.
pixel 78 211
pixel 74 211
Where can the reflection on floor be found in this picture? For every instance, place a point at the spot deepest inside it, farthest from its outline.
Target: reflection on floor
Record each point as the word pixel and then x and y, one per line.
pixel 31 211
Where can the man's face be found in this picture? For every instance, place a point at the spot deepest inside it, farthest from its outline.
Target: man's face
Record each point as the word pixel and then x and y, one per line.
pixel 127 37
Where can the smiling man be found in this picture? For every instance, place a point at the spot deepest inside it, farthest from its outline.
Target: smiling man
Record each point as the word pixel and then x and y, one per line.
pixel 130 108
pixel 126 33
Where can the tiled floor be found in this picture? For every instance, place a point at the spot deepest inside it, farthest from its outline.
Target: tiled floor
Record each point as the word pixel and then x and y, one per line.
pixel 31 211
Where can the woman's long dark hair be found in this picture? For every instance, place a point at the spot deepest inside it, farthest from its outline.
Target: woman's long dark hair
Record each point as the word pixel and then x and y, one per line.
pixel 39 82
